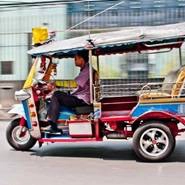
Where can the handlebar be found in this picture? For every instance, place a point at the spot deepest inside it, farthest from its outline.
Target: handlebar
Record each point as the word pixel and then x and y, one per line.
pixel 43 88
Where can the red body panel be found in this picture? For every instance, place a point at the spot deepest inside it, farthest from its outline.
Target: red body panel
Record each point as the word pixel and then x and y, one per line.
pixel 22 122
pixel 118 109
pixel 116 118
pixel 53 140
pixel 160 115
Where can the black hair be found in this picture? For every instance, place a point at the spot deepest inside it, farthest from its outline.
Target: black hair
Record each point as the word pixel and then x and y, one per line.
pixel 84 55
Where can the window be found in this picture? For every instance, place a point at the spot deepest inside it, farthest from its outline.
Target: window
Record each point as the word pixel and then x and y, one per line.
pixel 137 66
pixel 6 67
pixel 114 12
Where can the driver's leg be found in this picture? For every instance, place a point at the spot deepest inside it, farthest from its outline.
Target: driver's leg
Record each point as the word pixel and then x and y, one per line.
pixel 61 99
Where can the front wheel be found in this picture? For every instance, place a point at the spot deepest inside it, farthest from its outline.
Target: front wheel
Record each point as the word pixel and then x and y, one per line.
pixel 19 137
pixel 153 142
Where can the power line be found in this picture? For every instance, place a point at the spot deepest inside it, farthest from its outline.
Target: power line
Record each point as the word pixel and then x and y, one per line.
pixel 10 7
pixel 19 4
pixel 10 1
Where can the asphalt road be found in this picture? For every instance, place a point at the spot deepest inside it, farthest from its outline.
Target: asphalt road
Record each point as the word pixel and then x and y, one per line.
pixel 108 163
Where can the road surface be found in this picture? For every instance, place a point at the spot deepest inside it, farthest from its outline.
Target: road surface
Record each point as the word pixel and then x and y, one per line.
pixel 108 163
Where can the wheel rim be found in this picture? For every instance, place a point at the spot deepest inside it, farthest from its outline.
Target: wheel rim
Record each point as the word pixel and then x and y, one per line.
pixel 20 135
pixel 154 142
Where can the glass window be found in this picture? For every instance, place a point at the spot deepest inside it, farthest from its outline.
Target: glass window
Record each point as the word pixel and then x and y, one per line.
pixel 6 67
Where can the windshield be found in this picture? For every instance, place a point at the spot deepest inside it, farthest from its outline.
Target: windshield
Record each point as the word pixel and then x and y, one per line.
pixel 38 72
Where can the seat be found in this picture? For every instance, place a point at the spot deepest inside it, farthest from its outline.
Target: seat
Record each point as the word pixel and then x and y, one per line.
pixel 85 109
pixel 67 112
pixel 178 87
pixel 172 86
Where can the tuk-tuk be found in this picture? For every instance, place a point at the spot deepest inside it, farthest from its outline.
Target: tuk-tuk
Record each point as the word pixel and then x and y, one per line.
pixel 150 113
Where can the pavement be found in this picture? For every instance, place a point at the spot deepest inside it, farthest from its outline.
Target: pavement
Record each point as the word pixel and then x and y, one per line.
pixel 86 163
pixel 4 114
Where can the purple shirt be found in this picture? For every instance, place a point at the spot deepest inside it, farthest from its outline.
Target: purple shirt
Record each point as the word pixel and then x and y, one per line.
pixel 83 89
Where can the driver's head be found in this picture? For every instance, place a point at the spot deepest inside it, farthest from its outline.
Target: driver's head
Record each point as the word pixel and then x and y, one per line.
pixel 81 58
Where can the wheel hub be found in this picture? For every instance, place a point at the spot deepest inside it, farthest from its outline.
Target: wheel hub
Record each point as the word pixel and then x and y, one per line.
pixel 154 142
pixel 20 135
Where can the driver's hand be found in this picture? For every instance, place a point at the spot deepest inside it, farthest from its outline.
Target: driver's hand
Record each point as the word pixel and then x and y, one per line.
pixel 51 86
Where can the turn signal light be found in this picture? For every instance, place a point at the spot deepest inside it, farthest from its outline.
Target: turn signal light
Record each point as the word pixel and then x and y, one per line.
pixel 31 105
pixel 33 114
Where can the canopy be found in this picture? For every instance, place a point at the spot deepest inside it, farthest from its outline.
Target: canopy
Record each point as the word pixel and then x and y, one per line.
pixel 128 39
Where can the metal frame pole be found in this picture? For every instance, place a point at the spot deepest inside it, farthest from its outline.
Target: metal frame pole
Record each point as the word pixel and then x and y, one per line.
pixel 180 56
pixel 90 76
pixel 98 63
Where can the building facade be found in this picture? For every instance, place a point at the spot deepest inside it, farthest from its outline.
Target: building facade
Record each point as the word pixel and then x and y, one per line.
pixel 17 22
pixel 130 13
pixel 15 40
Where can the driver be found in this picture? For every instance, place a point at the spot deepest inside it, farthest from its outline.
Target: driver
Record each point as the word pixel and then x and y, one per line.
pixel 81 95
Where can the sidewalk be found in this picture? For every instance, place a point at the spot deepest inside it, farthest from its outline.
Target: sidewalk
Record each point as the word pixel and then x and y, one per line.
pixel 4 114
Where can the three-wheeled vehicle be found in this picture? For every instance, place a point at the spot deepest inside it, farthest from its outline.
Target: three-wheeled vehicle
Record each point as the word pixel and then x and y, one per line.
pixel 149 113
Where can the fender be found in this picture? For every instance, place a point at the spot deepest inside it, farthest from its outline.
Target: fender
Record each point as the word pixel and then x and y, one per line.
pixel 18 109
pixel 160 115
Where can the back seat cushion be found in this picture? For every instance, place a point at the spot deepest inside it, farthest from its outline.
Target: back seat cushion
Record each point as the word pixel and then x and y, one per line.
pixel 169 81
pixel 172 85
pixel 177 88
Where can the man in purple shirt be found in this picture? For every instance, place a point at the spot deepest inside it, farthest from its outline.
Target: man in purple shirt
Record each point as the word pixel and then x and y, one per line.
pixel 81 95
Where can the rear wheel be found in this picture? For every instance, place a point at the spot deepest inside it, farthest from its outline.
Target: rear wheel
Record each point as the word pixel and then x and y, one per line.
pixel 153 141
pixel 19 137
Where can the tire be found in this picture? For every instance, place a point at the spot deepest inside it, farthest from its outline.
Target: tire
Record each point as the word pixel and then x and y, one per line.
pixel 24 142
pixel 153 141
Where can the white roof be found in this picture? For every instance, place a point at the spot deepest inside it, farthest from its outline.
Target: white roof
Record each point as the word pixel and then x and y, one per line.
pixel 124 37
